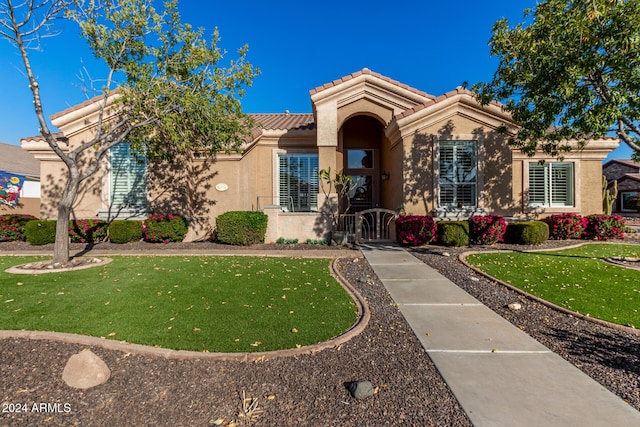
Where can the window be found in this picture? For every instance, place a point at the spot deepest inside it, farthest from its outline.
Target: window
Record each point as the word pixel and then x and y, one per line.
pixel 630 201
pixel 127 178
pixel 458 173
pixel 298 182
pixel 359 159
pixel 551 184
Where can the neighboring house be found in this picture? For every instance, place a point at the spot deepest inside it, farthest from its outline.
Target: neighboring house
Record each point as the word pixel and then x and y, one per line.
pixel 627 173
pixel 15 160
pixel 404 147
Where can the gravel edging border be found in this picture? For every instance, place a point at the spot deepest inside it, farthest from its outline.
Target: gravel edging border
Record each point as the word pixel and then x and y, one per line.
pixel 355 329
pixel 462 257
pixel 18 269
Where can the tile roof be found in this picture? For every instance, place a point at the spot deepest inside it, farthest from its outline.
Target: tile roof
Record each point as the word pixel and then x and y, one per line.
pixel 284 121
pixel 16 160
pixel 371 73
pixel 434 100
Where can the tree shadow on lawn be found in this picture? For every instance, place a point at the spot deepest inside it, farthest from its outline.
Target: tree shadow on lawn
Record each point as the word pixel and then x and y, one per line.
pixel 609 349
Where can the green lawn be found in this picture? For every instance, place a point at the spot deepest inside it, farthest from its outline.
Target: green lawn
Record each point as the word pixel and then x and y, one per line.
pixel 217 304
pixel 576 279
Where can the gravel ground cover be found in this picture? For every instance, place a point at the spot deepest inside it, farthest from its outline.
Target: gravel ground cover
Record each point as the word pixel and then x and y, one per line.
pixel 293 391
pixel 307 389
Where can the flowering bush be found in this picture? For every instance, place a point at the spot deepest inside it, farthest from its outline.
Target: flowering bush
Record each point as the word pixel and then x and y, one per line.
pixel 604 227
pixel 87 230
pixel 566 226
pixel 415 230
pixel 487 230
pixel 12 227
pixel 164 228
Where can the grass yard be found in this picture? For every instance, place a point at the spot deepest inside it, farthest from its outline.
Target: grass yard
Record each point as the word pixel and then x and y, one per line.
pixel 577 279
pixel 201 303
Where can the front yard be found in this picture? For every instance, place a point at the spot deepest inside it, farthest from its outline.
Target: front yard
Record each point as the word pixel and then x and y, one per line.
pixel 200 303
pixel 577 279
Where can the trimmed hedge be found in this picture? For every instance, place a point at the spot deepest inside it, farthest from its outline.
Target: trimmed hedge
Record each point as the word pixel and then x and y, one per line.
pixel 241 227
pixel 164 228
pixel 125 231
pixel 12 227
pixel 527 232
pixel 87 230
pixel 487 229
pixel 415 230
pixel 40 231
pixel 453 233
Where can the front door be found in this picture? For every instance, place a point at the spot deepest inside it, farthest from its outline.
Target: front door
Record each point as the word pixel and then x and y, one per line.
pixel 362 165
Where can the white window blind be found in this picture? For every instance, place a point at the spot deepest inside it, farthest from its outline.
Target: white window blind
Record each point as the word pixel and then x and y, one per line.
pixel 298 182
pixel 458 173
pixel 127 178
pixel 551 184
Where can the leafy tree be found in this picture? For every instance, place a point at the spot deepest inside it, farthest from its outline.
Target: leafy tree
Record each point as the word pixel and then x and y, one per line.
pixel 571 71
pixel 164 79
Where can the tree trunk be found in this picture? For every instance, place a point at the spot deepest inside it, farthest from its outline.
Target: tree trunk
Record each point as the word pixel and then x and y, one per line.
pixel 61 245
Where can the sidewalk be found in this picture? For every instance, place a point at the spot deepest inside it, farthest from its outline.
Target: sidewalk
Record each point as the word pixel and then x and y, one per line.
pixel 500 375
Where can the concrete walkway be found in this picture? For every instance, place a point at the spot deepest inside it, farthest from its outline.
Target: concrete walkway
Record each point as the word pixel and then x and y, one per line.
pixel 500 375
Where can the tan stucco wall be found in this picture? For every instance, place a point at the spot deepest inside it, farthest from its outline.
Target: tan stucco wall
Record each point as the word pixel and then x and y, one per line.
pixel 420 164
pixel 25 206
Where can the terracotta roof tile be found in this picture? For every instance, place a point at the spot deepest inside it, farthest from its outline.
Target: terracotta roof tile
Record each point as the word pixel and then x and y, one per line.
pixel 371 73
pixel 455 92
pixel 284 121
pixel 79 106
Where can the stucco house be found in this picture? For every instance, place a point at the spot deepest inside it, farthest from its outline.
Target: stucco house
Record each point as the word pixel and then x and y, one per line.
pixel 403 147
pixel 627 174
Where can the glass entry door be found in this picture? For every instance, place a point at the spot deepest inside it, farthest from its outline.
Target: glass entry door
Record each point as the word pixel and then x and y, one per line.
pixel 361 165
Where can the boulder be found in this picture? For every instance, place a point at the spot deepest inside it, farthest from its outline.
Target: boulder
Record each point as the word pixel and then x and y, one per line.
pixel 85 370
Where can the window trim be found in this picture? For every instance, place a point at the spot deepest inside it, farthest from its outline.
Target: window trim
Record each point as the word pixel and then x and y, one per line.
pixel 456 143
pixel 548 185
pixel 111 203
pixel 313 196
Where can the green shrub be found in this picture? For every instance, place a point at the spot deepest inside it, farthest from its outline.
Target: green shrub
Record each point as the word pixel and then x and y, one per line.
pixel 12 227
pixel 241 227
pixel 316 242
pixel 453 233
pixel 283 241
pixel 40 231
pixel 125 231
pixel 87 230
pixel 164 228
pixel 527 232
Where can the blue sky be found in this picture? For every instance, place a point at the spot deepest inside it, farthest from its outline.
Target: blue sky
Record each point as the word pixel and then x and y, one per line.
pixel 431 45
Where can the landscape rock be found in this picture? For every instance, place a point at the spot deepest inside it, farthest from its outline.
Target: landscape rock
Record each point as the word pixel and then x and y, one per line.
pixel 360 389
pixel 85 370
pixel 515 306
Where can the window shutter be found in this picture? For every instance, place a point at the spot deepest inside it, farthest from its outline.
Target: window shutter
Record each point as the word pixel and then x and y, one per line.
pixel 127 178
pixel 298 182
pixel 561 177
pixel 551 184
pixel 537 186
pixel 458 173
